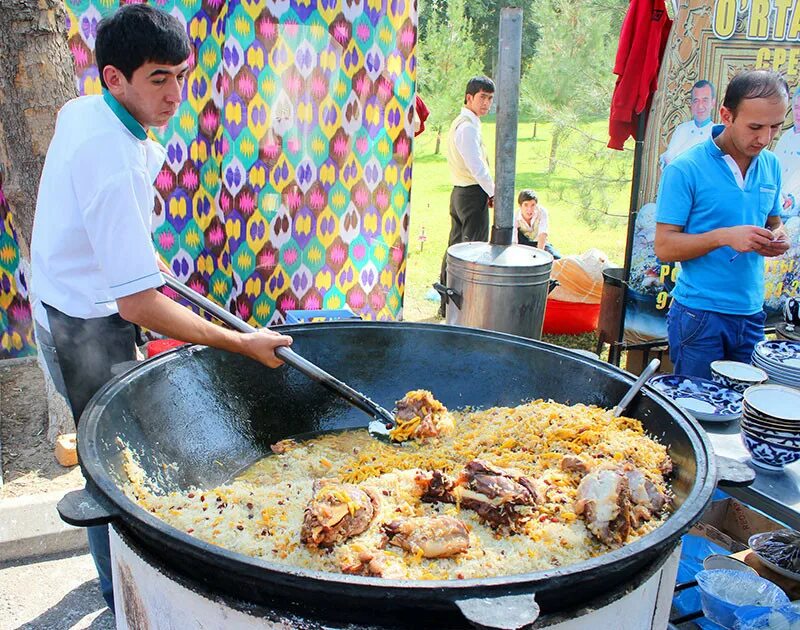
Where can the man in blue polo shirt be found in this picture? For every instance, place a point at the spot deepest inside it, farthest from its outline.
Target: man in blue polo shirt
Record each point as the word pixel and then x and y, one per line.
pixel 717 214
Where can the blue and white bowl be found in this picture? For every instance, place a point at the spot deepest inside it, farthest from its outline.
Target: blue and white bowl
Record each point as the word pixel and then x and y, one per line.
pixel 767 454
pixel 704 399
pixel 738 376
pixel 766 422
pixel 779 438
pixel 774 402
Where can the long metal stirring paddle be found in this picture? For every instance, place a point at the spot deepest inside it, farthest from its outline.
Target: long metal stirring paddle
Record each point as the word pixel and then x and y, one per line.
pixel 628 397
pixel 383 419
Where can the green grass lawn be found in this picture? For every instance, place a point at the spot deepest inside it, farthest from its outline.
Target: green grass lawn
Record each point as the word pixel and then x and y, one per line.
pixel 430 202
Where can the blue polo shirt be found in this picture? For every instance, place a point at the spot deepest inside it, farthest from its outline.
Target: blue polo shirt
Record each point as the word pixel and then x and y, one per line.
pixel 698 191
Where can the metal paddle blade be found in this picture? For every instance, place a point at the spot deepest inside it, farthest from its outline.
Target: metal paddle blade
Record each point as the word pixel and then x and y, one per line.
pixel 383 423
pixel 379 430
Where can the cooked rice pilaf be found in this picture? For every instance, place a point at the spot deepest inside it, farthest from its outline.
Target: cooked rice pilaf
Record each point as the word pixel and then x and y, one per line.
pixel 261 513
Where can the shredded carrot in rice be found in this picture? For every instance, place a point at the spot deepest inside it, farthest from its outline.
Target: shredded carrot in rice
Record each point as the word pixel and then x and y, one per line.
pixel 264 507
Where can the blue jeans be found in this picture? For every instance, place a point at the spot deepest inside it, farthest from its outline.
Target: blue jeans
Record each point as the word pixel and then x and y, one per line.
pixel 696 338
pixel 100 549
pixel 548 247
pixel 551 250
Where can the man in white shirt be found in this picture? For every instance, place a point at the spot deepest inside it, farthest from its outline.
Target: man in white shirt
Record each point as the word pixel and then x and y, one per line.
pixel 788 152
pixel 473 186
pixel 95 270
pixel 696 130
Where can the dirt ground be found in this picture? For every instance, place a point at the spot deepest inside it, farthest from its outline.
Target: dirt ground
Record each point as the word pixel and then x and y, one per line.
pixel 28 463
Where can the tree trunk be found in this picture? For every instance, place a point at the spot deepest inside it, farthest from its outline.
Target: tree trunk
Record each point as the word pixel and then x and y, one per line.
pixel 551 167
pixel 534 130
pixel 438 141
pixel 36 79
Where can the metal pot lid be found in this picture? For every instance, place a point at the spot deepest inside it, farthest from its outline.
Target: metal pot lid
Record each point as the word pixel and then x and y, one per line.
pixel 486 254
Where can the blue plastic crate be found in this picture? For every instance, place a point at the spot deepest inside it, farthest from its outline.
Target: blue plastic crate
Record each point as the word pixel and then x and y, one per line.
pixel 305 317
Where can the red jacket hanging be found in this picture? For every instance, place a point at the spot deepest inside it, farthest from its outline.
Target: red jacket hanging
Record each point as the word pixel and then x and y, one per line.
pixel 421 113
pixel 641 46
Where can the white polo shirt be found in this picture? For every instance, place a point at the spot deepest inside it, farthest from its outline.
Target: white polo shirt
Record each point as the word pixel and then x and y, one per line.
pixel 91 234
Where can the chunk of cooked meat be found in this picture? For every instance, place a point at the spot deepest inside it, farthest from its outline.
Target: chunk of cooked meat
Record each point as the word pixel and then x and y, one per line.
pixel 336 512
pixel 500 497
pixel 665 466
pixel 372 564
pixel 435 486
pixel 504 485
pixel 604 499
pixel 431 536
pixel 614 500
pixel 573 463
pixel 283 446
pixel 647 499
pixel 419 415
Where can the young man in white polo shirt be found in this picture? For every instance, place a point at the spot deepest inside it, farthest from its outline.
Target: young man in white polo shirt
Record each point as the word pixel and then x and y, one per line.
pixel 95 270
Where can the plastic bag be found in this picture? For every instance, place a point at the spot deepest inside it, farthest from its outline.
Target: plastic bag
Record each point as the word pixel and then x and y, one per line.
pixel 723 591
pixel 580 278
pixel 760 618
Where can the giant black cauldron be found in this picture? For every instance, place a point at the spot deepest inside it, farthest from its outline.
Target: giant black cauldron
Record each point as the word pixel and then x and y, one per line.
pixel 214 413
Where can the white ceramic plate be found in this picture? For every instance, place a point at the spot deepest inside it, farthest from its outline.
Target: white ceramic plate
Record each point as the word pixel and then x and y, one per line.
pixel 780 351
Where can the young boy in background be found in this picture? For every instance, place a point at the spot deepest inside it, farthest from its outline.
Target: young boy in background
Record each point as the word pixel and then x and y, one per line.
pixel 530 223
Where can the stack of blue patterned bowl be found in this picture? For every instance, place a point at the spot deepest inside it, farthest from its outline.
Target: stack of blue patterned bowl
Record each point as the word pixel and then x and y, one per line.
pixel 771 425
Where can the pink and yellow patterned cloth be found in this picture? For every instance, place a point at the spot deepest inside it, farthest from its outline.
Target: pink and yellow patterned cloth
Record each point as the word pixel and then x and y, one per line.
pixel 288 175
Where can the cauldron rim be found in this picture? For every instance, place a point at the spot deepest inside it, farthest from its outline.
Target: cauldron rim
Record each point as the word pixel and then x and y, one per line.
pixel 142 521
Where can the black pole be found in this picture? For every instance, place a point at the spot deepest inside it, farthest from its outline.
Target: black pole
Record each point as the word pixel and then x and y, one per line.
pixel 636 183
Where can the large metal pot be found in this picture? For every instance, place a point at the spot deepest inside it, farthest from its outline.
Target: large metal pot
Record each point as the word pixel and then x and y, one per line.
pixel 497 287
pixel 214 413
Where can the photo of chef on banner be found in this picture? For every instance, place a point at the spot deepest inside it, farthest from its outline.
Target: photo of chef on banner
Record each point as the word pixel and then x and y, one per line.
pixel 702 104
pixel 788 151
pixel 781 276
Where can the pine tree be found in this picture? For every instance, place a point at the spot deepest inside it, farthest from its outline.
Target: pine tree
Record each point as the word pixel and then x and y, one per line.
pixel 570 76
pixel 448 58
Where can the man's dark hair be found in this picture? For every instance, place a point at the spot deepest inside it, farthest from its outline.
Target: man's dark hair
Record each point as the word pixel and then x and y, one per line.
pixel 478 84
pixel 754 84
pixel 527 195
pixel 703 83
pixel 137 34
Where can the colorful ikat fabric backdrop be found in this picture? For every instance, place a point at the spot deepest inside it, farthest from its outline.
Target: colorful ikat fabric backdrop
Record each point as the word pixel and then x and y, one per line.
pixel 16 323
pixel 288 174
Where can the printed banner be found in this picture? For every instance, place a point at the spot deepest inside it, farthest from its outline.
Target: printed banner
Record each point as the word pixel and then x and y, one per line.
pixel 710 42
pixel 288 175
